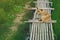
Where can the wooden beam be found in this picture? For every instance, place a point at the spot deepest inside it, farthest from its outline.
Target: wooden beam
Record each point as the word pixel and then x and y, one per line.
pixel 36 21
pixel 40 8
pixel 42 2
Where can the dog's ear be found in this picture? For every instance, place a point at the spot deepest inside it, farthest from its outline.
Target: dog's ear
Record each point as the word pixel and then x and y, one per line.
pixel 41 9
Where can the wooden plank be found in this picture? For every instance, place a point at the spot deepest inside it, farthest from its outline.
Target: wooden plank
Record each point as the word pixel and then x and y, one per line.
pixel 42 2
pixel 40 8
pixel 36 21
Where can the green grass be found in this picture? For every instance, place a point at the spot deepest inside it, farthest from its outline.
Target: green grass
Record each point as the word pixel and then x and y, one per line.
pixel 8 11
pixel 56 16
pixel 23 28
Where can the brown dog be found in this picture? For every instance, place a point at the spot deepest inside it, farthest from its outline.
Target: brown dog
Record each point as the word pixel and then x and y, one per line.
pixel 45 15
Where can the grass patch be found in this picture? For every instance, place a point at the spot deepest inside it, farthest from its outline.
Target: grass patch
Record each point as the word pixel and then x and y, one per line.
pixel 56 16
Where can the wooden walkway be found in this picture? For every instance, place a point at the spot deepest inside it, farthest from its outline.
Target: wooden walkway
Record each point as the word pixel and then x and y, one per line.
pixel 40 30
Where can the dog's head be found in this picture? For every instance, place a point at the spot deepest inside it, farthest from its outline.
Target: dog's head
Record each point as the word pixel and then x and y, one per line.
pixel 42 12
